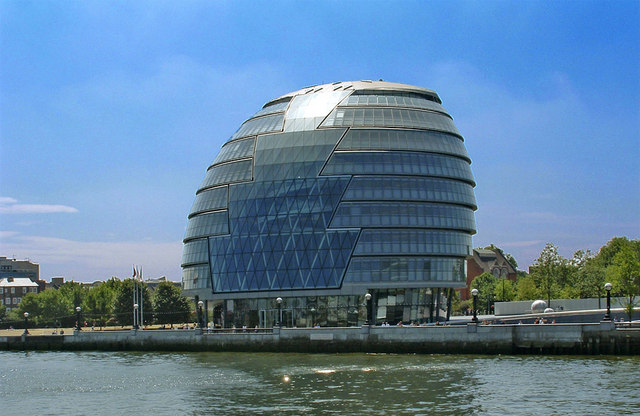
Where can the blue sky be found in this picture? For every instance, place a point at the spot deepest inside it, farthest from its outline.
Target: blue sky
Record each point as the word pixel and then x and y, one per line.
pixel 110 113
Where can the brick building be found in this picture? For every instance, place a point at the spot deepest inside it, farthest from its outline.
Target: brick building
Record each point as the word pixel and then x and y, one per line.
pixel 487 261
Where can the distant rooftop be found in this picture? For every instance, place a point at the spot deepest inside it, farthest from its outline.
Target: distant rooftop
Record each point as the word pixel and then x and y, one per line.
pixel 17 282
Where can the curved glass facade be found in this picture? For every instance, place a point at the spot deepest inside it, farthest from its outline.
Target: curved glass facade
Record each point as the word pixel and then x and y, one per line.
pixel 328 193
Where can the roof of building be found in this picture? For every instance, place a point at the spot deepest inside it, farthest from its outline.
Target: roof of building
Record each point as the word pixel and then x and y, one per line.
pixel 17 282
pixel 360 85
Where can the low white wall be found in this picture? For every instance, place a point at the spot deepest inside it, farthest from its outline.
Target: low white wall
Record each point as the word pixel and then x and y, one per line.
pixel 524 306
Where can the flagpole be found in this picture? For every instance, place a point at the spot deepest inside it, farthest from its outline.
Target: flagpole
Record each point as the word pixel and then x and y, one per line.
pixel 135 296
pixel 141 298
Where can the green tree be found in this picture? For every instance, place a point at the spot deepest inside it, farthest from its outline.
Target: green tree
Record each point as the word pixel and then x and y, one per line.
pixel 56 309
pixel 504 290
pixel 624 273
pixel 30 303
pixel 98 302
pixel 548 271
pixel 486 285
pixel 609 251
pixel 526 288
pixel 123 304
pixel 170 307
pixel 74 292
pixel 590 279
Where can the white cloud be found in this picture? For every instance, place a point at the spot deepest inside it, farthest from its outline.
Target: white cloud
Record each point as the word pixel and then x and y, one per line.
pixel 94 260
pixel 11 206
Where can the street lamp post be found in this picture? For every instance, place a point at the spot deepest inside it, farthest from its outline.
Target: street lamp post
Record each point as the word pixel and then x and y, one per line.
pixel 607 287
pixel 78 326
pixel 26 323
pixel 367 297
pixel 279 317
pixel 135 316
pixel 200 304
pixel 474 292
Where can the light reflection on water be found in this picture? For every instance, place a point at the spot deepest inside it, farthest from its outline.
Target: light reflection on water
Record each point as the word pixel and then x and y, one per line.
pixel 97 383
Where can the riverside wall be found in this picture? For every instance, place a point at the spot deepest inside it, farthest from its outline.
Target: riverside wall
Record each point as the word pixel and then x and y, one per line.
pixel 599 338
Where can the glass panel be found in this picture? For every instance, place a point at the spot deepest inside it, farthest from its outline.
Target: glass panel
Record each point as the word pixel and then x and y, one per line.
pixel 207 224
pixel 294 155
pixel 392 99
pixel 394 139
pixel 388 214
pixel 211 199
pixel 237 149
pixel 272 109
pixel 254 126
pixel 408 188
pixel 405 269
pixel 398 163
pixel 196 251
pixel 307 111
pixel 196 277
pixel 399 241
pixel 227 173
pixel 389 117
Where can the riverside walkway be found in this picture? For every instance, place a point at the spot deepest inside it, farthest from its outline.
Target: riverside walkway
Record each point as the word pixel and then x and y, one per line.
pixel 572 338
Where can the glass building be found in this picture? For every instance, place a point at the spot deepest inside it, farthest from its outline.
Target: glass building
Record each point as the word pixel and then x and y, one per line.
pixel 329 193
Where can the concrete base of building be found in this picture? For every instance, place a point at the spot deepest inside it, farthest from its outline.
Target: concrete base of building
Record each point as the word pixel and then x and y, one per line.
pixel 599 338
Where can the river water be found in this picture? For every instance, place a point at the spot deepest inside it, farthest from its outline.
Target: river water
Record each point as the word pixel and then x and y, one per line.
pixel 125 383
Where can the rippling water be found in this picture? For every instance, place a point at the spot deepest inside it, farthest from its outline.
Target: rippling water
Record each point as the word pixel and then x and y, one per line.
pixel 105 383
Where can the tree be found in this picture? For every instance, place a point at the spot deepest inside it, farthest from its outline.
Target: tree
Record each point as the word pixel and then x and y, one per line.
pixel 609 251
pixel 526 288
pixel 29 303
pixel 98 302
pixel 548 270
pixel 589 279
pixel 56 309
pixel 169 305
pixel 486 285
pixel 504 290
pixel 624 273
pixel 123 304
pixel 73 292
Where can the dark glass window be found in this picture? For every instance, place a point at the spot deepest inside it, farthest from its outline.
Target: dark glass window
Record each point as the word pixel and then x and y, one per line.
pixel 228 173
pixel 280 261
pixel 409 188
pixel 254 126
pixel 405 269
pixel 395 139
pixel 399 241
pixel 398 163
pixel 398 214
pixel 210 200
pixel 196 251
pixel 207 224
pixel 196 277
pixel 238 149
pixel 294 155
pixel 395 99
pixel 390 117
pixel 272 109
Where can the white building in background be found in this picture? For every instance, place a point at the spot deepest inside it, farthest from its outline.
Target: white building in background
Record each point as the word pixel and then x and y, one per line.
pixel 13 289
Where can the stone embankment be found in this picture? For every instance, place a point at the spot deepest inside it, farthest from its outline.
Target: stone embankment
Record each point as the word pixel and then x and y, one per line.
pixel 598 338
